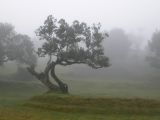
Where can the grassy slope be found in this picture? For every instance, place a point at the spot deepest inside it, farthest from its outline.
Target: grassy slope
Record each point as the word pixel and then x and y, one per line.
pixel 15 103
pixel 67 107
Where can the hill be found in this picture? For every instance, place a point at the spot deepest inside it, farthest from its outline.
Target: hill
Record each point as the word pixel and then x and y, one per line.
pixel 54 106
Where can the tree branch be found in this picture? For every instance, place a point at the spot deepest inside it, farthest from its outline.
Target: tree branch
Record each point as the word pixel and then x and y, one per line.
pixel 44 78
pixel 36 74
pixel 65 62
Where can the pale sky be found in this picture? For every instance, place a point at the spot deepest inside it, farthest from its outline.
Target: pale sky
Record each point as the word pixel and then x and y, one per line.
pixel 138 16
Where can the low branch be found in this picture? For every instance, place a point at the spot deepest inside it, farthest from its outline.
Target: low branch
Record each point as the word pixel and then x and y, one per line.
pixel 36 74
pixel 78 62
pixel 44 78
pixel 70 63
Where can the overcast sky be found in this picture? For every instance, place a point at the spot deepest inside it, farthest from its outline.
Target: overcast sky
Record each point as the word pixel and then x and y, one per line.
pixel 139 16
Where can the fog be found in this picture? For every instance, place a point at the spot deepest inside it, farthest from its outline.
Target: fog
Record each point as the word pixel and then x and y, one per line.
pixel 127 54
pixel 130 24
pixel 138 16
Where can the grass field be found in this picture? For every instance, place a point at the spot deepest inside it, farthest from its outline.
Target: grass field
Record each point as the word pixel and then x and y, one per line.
pixel 89 100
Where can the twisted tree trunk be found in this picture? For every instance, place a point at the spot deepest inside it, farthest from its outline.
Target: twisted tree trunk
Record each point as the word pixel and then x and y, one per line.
pixel 44 78
pixel 63 86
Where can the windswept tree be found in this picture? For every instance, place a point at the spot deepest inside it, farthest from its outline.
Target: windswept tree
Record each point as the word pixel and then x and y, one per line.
pixel 66 44
pixel 154 50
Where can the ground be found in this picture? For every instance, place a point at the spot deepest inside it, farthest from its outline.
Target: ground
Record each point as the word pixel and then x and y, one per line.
pixel 117 101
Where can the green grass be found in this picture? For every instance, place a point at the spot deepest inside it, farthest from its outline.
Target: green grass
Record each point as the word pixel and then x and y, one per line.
pixel 70 104
pixel 114 88
pixel 14 92
pixel 113 100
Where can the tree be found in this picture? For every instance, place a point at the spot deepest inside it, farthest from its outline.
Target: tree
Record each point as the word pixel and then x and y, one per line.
pixel 118 45
pixel 154 50
pixel 15 47
pixel 118 48
pixel 66 44
pixel 6 33
pixel 21 49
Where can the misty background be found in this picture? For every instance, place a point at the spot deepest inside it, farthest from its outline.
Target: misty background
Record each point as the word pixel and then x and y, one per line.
pixel 130 25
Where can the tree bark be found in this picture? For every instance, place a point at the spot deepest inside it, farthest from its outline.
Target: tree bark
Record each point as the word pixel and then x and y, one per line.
pixel 63 86
pixel 49 84
pixel 44 78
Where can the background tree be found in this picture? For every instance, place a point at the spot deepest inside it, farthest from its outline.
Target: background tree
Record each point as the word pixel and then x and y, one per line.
pixel 21 49
pixel 66 44
pixel 118 45
pixel 118 48
pixel 16 47
pixel 6 33
pixel 154 50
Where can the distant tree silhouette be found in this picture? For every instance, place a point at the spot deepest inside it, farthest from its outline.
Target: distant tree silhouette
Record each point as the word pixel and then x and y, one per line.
pixel 118 45
pixel 16 47
pixel 66 44
pixel 6 33
pixel 21 49
pixel 154 50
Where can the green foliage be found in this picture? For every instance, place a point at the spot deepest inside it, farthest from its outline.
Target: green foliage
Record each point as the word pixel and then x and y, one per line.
pixel 72 44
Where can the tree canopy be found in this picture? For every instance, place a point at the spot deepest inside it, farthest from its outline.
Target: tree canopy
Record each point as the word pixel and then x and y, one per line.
pixel 6 33
pixel 71 44
pixel 15 46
